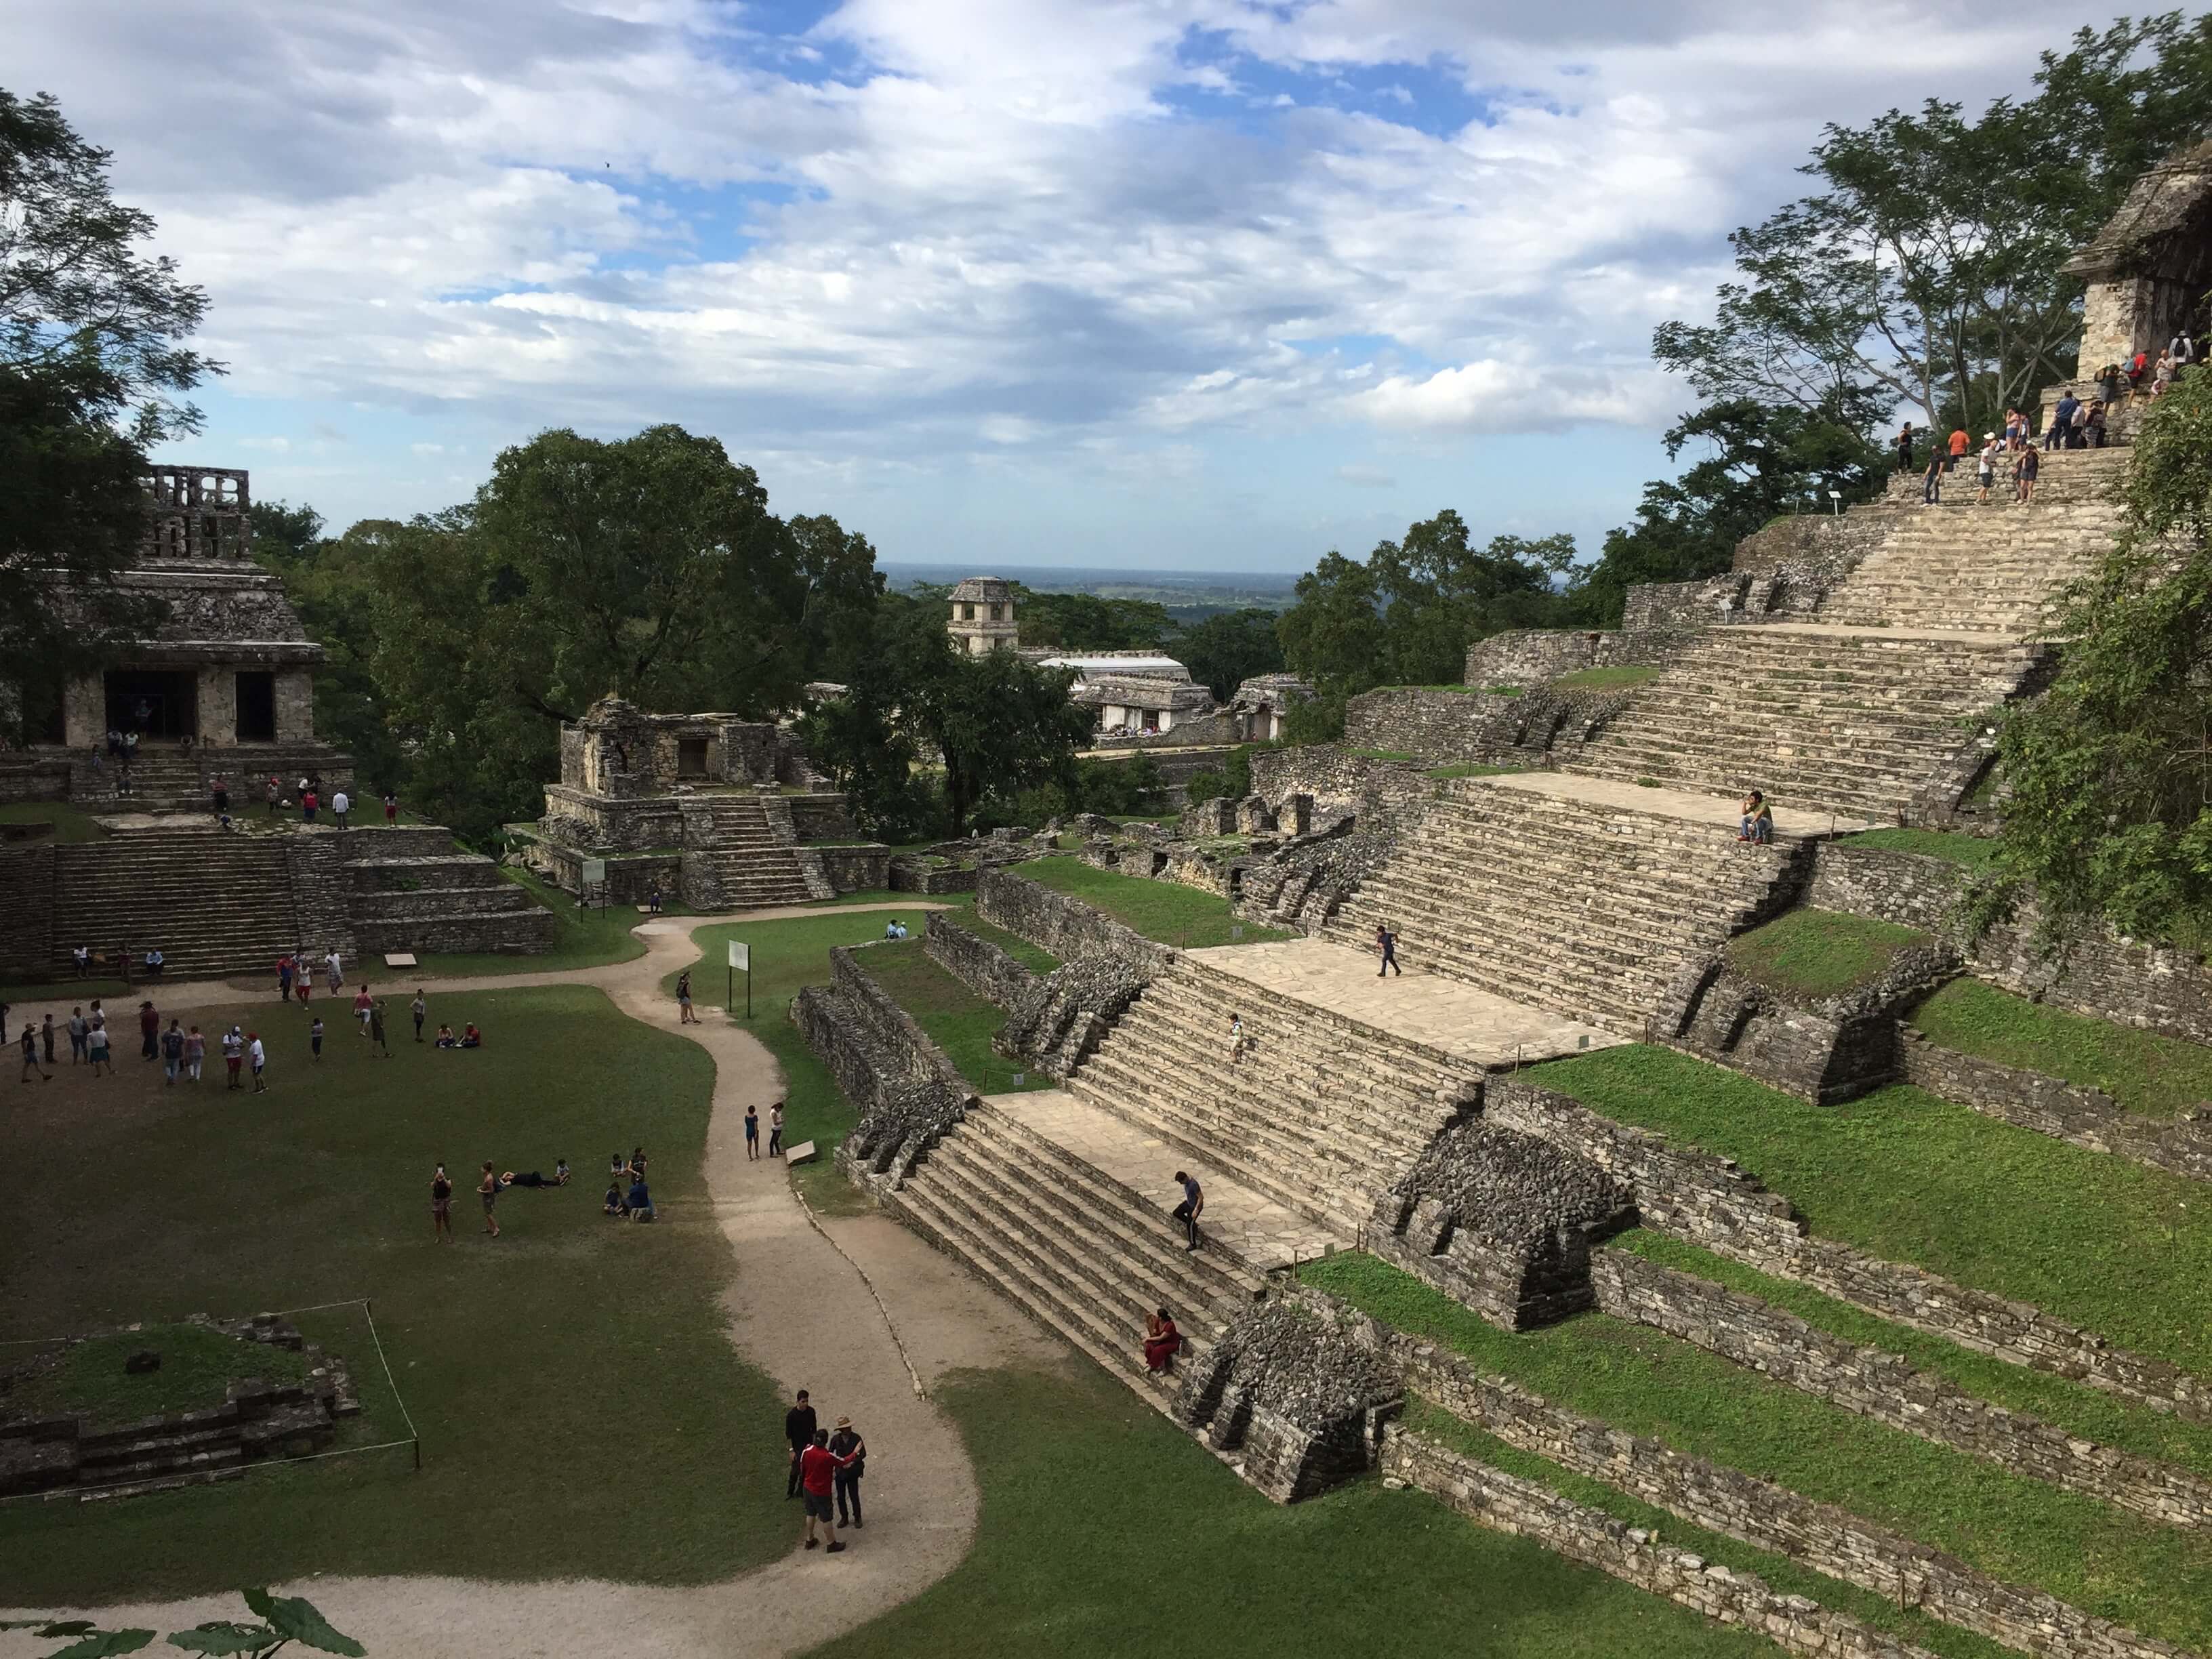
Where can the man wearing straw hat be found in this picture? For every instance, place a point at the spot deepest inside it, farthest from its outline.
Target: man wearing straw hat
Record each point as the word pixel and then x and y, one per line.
pixel 845 1443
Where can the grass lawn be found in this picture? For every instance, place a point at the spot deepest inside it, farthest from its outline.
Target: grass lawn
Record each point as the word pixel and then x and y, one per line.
pixel 1808 954
pixel 787 955
pixel 572 1356
pixel 2155 1578
pixel 1107 1532
pixel 2089 1413
pixel 72 823
pixel 1780 1571
pixel 1034 957
pixel 1971 851
pixel 957 1019
pixel 2141 1070
pixel 1164 910
pixel 1607 679
pixel 2124 1250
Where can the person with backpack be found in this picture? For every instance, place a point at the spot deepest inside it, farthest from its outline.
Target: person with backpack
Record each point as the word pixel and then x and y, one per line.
pixel 173 1052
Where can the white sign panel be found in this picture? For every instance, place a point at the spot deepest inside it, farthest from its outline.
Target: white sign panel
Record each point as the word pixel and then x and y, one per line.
pixel 741 956
pixel 595 872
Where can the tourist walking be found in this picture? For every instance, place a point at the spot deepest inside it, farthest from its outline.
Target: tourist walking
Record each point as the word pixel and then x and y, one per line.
pixel 172 1053
pixel 79 1028
pixel 441 1206
pixel 488 1190
pixel 2030 463
pixel 1193 1206
pixel 775 1130
pixel 753 1133
pixel 2163 376
pixel 1985 474
pixel 315 1038
pixel 852 1454
pixel 1236 1040
pixel 376 1029
pixel 1385 947
pixel 341 804
pixel 150 1032
pixel 233 1055
pixel 364 1004
pixel 684 1014
pixel 1931 482
pixel 46 1038
pixel 336 971
pixel 818 1468
pixel 30 1047
pixel 420 1008
pixel 96 1046
pixel 258 1058
pixel 799 1431
pixel 221 794
pixel 195 1052
pixel 309 801
pixel 391 809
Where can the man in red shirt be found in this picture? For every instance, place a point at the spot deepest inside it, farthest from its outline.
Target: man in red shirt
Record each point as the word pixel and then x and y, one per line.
pixel 1958 448
pixel 818 1468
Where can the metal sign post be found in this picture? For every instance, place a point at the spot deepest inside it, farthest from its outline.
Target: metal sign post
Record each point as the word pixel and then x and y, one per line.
pixel 741 956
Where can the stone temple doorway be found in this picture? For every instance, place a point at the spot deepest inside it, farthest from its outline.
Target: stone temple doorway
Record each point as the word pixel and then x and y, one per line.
pixel 690 757
pixel 160 705
pixel 257 706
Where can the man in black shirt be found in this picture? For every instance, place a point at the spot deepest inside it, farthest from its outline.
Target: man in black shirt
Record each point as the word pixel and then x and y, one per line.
pixel 1194 1201
pixel 799 1431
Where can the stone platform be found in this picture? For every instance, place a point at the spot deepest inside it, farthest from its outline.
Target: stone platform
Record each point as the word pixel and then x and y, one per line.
pixel 1721 811
pixel 1261 1232
pixel 1459 1019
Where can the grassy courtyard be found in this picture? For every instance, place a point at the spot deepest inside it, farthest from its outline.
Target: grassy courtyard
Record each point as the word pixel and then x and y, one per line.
pixel 2154 1579
pixel 1107 1532
pixel 956 1019
pixel 1164 910
pixel 2124 1250
pixel 534 1364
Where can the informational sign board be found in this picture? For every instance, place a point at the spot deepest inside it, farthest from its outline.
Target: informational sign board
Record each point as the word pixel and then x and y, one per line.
pixel 595 872
pixel 741 954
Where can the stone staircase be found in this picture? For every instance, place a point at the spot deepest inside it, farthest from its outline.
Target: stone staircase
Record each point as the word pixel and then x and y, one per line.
pixel 1982 570
pixel 1822 719
pixel 1075 1248
pixel 413 889
pixel 747 861
pixel 166 779
pixel 216 904
pixel 1320 1113
pixel 1578 906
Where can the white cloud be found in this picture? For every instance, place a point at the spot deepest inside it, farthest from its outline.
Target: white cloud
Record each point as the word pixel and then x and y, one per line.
pixel 1366 477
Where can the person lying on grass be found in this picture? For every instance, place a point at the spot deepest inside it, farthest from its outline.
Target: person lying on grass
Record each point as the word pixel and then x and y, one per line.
pixel 532 1178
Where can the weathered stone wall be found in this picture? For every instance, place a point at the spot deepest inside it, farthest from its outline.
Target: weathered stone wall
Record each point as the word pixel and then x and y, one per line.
pixel 982 965
pixel 907 1092
pixel 1438 725
pixel 2064 1111
pixel 1507 1504
pixel 1824 546
pixel 1711 1202
pixel 1886 1388
pixel 604 823
pixel 1826 1050
pixel 1057 922
pixel 918 875
pixel 1685 607
pixel 891 1029
pixel 858 869
pixel 30 781
pixel 1333 777
pixel 1530 656
pixel 820 817
pixel 27 946
pixel 2100 974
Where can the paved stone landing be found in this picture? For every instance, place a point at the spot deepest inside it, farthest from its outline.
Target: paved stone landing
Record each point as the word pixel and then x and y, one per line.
pixel 1719 811
pixel 1260 1230
pixel 1445 1014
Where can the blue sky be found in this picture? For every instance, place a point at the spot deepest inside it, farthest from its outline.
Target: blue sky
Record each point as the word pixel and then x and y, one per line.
pixel 1154 283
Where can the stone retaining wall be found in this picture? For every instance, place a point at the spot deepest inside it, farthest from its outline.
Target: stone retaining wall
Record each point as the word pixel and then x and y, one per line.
pixel 859 869
pixel 1822 1536
pixel 892 1030
pixel 28 949
pixel 1530 656
pixel 1711 1202
pixel 1886 1388
pixel 1439 726
pixel 919 875
pixel 2100 974
pixel 1055 921
pixel 1507 1504
pixel 908 1093
pixel 1333 777
pixel 2064 1111
pixel 826 817
pixel 984 966
pixel 34 781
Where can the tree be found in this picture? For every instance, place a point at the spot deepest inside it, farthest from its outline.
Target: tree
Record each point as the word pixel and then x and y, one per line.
pixel 1333 633
pixel 842 585
pixel 1762 462
pixel 76 295
pixel 1441 594
pixel 1086 622
pixel 1229 647
pixel 2109 773
pixel 1926 271
pixel 284 1619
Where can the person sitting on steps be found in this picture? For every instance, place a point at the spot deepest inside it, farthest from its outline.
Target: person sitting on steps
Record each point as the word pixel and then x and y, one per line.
pixel 1162 1342
pixel 1756 825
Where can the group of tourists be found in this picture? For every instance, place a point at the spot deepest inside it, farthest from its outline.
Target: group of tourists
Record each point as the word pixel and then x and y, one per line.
pixel 152 963
pixel 311 800
pixel 181 1048
pixel 824 1465
pixel 628 1196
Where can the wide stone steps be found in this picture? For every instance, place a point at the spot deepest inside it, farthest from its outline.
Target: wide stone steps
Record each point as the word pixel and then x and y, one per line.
pixel 214 904
pixel 1074 1248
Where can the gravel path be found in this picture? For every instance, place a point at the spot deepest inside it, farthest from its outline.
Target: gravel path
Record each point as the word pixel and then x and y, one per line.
pixel 799 1310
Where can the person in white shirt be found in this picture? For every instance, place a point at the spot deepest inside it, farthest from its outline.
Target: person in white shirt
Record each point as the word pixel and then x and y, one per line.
pixel 1986 473
pixel 335 972
pixel 257 1057
pixel 341 804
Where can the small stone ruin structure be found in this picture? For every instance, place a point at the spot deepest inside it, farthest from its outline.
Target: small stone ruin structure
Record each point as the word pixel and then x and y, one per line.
pixel 714 810
pixel 983 619
pixel 256 1420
